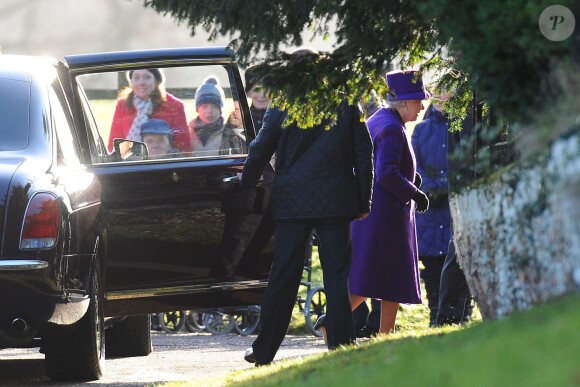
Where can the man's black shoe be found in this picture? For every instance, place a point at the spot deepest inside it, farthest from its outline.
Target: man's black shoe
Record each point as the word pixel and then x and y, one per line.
pixel 250 358
pixel 249 355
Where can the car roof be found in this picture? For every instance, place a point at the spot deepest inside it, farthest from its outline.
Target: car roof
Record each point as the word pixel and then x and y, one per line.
pixel 121 57
pixel 23 67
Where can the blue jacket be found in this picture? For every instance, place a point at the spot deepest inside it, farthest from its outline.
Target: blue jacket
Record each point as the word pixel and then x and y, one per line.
pixel 430 143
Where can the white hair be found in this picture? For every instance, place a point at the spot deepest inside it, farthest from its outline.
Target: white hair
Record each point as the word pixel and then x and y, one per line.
pixel 397 104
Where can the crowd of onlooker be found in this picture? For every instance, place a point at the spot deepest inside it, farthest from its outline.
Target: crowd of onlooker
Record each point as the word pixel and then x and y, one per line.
pixel 147 112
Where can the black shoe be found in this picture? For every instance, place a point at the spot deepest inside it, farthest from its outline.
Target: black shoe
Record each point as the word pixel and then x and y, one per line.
pixel 366 332
pixel 249 355
pixel 320 322
pixel 250 358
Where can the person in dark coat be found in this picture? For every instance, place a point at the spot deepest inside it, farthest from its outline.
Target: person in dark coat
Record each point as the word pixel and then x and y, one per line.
pixel 246 234
pixel 323 181
pixel 385 261
pixel 257 94
pixel 455 300
pixel 259 102
pixel 430 145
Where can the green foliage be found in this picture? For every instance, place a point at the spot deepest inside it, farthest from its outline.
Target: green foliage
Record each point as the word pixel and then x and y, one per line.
pixel 494 46
pixel 499 46
pixel 369 34
pixel 491 53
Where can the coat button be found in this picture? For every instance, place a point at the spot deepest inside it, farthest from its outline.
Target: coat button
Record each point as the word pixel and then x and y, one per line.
pixel 441 226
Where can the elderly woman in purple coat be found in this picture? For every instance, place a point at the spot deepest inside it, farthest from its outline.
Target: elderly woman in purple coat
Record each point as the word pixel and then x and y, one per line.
pixel 385 262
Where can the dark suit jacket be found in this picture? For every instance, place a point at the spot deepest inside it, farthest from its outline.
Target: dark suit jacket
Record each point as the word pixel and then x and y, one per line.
pixel 319 172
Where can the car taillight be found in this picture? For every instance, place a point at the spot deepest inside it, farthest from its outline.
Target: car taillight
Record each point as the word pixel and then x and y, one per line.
pixel 40 228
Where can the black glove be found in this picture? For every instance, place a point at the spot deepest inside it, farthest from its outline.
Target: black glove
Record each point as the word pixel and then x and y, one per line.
pixel 422 201
pixel 418 180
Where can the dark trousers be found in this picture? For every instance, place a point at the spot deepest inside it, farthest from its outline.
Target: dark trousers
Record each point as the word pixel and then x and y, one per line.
pixel 455 300
pixel 431 276
pixel 334 248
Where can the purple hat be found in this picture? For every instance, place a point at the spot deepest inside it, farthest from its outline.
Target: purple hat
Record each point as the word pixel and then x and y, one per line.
pixel 406 85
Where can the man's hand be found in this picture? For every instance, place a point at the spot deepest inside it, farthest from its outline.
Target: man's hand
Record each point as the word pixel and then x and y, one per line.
pixel 362 215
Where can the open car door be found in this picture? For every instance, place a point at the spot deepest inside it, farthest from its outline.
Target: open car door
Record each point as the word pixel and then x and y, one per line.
pixel 175 225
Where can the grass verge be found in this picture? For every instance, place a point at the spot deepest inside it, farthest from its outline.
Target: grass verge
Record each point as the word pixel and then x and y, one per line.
pixel 539 347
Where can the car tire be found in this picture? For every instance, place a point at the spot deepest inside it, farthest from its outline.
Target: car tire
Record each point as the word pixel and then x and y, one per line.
pixel 129 337
pixel 77 352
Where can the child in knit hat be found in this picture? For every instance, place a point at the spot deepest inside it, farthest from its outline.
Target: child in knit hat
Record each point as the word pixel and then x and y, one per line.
pixel 208 127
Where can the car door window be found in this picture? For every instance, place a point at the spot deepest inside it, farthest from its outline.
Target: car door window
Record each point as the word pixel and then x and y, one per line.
pixel 178 113
pixel 66 150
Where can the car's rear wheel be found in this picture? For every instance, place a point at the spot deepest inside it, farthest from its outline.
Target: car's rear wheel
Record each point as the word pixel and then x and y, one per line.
pixel 77 352
pixel 129 337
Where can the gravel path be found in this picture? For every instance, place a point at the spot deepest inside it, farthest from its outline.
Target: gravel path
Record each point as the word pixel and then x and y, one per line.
pixel 175 357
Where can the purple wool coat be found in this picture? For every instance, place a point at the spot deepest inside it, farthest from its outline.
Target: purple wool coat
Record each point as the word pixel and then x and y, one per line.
pixel 385 262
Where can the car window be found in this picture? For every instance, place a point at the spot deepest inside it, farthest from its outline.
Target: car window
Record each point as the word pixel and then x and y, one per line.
pixel 66 151
pixel 177 112
pixel 14 113
pixel 96 145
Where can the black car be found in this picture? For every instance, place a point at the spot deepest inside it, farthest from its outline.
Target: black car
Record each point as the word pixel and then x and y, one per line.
pixel 96 237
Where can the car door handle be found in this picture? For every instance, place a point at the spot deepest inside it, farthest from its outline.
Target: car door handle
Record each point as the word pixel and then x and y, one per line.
pixel 232 180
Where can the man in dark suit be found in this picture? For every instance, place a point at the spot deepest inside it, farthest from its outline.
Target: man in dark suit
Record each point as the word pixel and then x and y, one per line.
pixel 323 182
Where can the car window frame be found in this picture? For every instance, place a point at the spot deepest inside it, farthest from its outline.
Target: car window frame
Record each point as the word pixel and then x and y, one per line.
pixel 68 147
pixel 92 130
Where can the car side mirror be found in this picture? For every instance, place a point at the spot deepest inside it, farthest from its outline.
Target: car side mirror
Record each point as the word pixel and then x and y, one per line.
pixel 127 150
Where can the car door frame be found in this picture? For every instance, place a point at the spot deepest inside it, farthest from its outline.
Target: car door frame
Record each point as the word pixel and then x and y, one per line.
pixel 127 301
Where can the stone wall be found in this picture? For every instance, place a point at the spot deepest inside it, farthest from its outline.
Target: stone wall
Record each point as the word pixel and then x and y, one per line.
pixel 518 237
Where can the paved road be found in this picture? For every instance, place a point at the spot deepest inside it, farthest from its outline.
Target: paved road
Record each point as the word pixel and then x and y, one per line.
pixel 175 357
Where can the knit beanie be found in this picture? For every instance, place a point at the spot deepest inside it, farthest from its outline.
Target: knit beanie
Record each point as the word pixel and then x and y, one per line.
pixel 210 92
